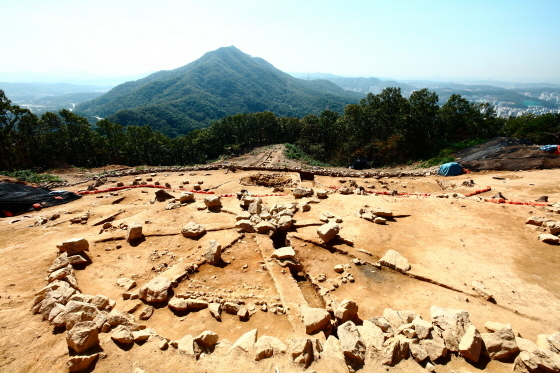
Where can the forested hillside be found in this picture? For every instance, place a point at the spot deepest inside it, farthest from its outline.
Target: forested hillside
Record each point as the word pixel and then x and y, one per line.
pixel 221 83
pixel 386 129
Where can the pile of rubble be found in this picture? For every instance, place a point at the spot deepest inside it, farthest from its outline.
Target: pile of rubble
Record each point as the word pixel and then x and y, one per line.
pixel 257 217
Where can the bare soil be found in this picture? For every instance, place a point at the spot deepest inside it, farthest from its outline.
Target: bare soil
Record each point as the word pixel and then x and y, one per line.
pixel 449 243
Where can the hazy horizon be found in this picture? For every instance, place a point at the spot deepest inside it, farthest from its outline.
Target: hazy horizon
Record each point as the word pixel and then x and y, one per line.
pixel 514 41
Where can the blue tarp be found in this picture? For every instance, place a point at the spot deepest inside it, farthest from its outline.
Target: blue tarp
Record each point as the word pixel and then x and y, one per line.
pixel 549 148
pixel 450 169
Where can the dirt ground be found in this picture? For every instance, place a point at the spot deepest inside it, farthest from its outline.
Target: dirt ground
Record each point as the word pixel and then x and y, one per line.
pixel 449 242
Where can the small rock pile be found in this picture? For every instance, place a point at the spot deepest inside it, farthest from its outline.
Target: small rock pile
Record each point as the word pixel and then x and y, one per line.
pixel 549 227
pixel 262 219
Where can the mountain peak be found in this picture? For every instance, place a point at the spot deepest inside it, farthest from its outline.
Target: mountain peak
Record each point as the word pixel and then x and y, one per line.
pixel 222 82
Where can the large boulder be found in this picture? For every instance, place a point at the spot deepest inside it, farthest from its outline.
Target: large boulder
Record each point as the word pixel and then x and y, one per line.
pixel 82 336
pixel 315 319
pixel 74 246
pixel 394 351
pixel 549 238
pixel 302 192
pixel 372 335
pixel 193 230
pixel 346 310
pixel 554 342
pixel 418 351
pixel 301 350
pixel 450 324
pixel 246 341
pixel 76 312
pixel 213 254
pixel 471 344
pixel 155 290
pixel 284 222
pixel 178 304
pixel 422 327
pixel 351 342
pixel 207 338
pixel 435 347
pixel 500 344
pixel 393 317
pixel 185 346
pixel 537 360
pixel 393 259
pixel 327 232
pixel 263 350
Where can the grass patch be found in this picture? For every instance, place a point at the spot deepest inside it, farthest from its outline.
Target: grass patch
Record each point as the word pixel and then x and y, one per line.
pixel 436 161
pixel 445 156
pixel 293 152
pixel 33 177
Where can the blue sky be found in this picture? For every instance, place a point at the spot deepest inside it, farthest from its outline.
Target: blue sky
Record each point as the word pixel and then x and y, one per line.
pixel 431 39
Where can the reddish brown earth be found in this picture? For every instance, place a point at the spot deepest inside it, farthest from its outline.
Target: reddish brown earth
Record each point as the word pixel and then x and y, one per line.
pixel 449 243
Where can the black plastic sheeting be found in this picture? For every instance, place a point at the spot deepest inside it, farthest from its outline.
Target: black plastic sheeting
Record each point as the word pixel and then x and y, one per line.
pixel 17 198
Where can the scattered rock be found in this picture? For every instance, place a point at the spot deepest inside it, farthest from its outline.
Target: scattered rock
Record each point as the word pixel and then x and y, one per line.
pixel 134 232
pixel 549 238
pixel 126 283
pixel 395 260
pixel 243 314
pixel 481 289
pixel 327 232
pixel 186 197
pixel 146 313
pixel 284 253
pixel 74 246
pixel 215 310
pixel 213 202
pixel 155 290
pixel 162 195
pixel 193 230
pixel 213 253
pixel 81 362
pixel 321 193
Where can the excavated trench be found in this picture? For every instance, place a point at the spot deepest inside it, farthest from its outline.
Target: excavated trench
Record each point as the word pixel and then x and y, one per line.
pixel 307 288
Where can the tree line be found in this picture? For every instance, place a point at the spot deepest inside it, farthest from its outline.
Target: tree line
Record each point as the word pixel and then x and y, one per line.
pixel 386 128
